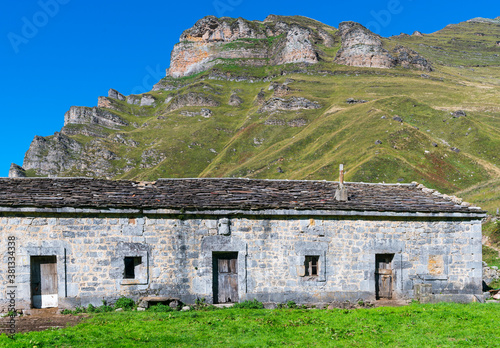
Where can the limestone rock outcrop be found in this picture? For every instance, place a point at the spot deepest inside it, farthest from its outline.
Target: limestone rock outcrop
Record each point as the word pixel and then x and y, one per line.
pixel 191 99
pixel 109 101
pixel 273 41
pixel 279 89
pixel 60 153
pixel 207 113
pixel 133 99
pixel 147 100
pixel 113 93
pixel 95 115
pixel 235 100
pixel 294 103
pixel 362 48
pixel 51 155
pixel 16 171
pixel 408 58
pixel 105 102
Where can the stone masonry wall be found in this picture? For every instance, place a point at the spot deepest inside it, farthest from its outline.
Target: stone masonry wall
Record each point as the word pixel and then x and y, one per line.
pixel 176 256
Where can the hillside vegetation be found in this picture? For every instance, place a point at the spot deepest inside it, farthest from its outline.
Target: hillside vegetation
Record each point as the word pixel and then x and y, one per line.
pixel 440 128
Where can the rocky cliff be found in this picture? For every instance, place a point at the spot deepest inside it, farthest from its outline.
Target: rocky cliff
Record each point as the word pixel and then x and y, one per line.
pixel 275 41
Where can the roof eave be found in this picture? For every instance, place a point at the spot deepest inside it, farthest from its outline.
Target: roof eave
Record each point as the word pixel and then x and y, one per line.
pixel 473 214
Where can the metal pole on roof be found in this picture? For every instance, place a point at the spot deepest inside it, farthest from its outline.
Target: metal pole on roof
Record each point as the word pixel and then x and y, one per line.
pixel 341 175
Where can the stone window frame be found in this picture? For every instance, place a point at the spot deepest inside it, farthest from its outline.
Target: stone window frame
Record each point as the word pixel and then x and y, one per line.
pixel 136 250
pixel 308 249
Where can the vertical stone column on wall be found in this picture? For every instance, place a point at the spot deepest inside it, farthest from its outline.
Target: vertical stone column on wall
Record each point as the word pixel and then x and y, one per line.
pixel 477 262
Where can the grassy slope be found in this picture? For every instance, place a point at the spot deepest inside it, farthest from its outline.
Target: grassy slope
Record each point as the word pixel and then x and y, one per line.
pixel 441 325
pixel 237 142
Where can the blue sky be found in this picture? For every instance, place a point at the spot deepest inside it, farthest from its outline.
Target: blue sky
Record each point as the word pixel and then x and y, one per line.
pixel 59 53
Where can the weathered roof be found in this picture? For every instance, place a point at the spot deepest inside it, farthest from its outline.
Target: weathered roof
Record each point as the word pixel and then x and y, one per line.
pixel 217 194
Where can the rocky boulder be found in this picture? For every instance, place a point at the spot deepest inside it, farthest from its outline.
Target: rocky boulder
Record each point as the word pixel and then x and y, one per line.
pixel 235 100
pixel 133 100
pixel 261 97
pixel 408 58
pixel 147 100
pixel 490 274
pixel 206 113
pixel 459 113
pixel 280 90
pixel 355 101
pixel 294 103
pixel 191 99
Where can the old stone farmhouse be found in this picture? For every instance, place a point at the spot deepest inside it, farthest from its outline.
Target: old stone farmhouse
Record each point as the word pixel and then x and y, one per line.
pixel 78 241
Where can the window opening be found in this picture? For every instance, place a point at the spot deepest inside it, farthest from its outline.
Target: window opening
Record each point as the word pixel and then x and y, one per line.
pixel 311 265
pixel 130 265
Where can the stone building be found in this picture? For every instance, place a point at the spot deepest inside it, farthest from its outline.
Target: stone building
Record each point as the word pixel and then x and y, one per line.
pixel 78 241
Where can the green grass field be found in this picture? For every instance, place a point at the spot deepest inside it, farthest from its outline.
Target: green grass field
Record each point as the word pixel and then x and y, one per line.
pixel 440 325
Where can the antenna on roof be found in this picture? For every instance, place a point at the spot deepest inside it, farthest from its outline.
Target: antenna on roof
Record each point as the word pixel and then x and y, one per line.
pixel 341 192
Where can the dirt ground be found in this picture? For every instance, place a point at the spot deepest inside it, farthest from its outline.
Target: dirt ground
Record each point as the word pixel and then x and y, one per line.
pixel 43 319
pixel 40 320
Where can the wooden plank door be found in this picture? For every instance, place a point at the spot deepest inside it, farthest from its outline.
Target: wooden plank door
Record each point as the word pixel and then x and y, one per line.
pixel 383 275
pixel 44 282
pixel 226 278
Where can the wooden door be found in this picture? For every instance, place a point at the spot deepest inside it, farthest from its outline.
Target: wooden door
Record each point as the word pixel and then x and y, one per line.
pixel 226 278
pixel 383 275
pixel 44 282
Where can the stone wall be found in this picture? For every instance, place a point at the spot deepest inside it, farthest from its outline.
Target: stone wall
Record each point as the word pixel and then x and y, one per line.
pixel 176 256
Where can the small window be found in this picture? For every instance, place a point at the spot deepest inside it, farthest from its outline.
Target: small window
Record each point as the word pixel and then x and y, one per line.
pixel 131 264
pixel 311 265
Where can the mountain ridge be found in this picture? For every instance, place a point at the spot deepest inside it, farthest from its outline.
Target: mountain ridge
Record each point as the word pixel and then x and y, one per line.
pixel 292 99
